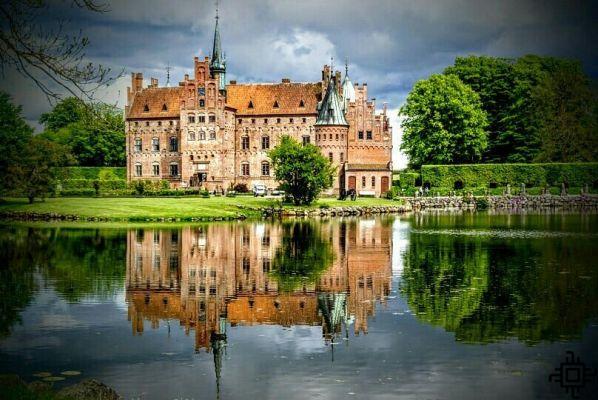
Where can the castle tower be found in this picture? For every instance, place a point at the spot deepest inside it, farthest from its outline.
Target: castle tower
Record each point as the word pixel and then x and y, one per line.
pixel 348 89
pixel 218 62
pixel 332 129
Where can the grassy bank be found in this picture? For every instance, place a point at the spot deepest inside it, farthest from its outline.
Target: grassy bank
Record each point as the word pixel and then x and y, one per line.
pixel 131 209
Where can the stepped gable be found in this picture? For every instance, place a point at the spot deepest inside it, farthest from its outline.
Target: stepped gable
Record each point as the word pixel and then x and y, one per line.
pixel 155 98
pixel 274 98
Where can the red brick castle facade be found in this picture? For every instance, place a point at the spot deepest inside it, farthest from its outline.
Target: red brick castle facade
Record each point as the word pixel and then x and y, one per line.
pixel 207 133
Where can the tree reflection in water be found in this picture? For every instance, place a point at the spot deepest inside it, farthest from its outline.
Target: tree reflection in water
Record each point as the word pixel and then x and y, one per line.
pixel 489 286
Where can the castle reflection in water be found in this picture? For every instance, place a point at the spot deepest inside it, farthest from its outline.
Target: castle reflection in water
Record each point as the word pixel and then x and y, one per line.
pixel 210 276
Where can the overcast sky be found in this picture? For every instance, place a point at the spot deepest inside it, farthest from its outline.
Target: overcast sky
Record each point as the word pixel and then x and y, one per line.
pixel 389 44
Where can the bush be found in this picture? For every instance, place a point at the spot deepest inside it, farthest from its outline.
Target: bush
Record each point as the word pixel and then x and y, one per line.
pixel 499 175
pixel 78 192
pixel 408 179
pixel 204 193
pixel 241 188
pixel 91 173
pixel 104 185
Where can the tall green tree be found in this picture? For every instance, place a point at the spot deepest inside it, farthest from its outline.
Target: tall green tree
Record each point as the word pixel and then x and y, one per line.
pixel 443 123
pixel 14 136
pixel 493 79
pixel 94 133
pixel 567 110
pixel 302 170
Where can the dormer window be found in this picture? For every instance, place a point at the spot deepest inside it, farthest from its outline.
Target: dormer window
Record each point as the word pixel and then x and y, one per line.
pixel 275 104
pixel 164 108
pixel 250 104
pixel 146 108
pixel 301 104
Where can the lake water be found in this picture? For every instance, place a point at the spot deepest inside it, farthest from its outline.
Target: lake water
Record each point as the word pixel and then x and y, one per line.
pixel 428 306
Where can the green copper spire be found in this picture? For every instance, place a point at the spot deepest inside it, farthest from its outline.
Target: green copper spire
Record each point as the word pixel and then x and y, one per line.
pixel 218 62
pixel 331 108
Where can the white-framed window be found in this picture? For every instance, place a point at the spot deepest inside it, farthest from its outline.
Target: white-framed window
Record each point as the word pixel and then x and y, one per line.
pixel 265 142
pixel 373 181
pixel 138 144
pixel 202 118
pixel 265 168
pixel 245 169
pixel 245 142
pixel 191 119
pixel 174 144
pixel 202 135
pixel 212 135
pixel 156 169
pixel 191 136
pixel 138 169
pixel 174 169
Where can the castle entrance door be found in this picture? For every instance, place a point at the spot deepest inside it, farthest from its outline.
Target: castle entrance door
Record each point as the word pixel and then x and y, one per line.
pixel 352 182
pixel 384 185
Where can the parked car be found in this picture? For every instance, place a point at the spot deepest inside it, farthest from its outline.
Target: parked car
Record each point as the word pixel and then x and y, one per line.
pixel 259 190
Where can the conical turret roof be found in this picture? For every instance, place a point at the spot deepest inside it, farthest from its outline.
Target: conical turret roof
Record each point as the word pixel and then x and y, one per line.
pixel 330 109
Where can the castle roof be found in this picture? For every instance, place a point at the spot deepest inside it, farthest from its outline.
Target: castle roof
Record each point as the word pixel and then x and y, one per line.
pixel 154 102
pixel 331 109
pixel 274 98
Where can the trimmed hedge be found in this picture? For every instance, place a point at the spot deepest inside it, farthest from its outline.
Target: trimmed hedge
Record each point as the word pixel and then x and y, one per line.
pixel 89 184
pixel 499 175
pixel 92 173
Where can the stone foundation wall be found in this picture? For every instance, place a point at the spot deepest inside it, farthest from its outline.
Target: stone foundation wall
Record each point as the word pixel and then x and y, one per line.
pixel 581 202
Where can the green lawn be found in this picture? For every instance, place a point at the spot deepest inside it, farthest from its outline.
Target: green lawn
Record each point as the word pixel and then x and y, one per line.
pixel 121 208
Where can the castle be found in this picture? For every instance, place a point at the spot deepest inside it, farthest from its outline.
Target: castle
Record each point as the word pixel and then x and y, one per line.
pixel 207 133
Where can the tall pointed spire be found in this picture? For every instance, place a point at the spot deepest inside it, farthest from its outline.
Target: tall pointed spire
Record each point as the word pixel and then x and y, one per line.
pixel 348 89
pixel 218 62
pixel 168 75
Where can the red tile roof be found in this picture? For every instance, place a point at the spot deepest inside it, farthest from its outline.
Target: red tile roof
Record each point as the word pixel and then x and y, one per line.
pixel 156 99
pixel 261 98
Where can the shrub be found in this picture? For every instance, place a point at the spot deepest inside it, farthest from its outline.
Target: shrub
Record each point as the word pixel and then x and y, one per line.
pixel 408 179
pixel 241 188
pixel 204 193
pixel 91 173
pixel 77 192
pixel 324 206
pixel 499 175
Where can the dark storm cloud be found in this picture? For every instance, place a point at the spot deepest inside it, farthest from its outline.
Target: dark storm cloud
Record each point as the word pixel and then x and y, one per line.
pixel 389 44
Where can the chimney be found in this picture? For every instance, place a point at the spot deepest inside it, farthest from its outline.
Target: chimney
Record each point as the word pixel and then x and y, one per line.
pixel 286 80
pixel 186 77
pixel 154 82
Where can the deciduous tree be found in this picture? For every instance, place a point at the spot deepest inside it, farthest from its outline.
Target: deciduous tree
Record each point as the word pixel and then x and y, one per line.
pixel 443 123
pixel 302 170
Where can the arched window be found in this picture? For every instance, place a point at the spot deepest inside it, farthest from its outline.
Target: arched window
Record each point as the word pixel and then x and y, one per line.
pixel 265 142
pixel 146 108
pixel 138 144
pixel 191 118
pixel 212 135
pixel 191 136
pixel 250 104
pixel 156 169
pixel 174 143
pixel 155 144
pixel 275 105
pixel 301 104
pixel 164 107
pixel 373 181
pixel 202 103
pixel 212 118
pixel 138 170
pixel 245 169
pixel 265 168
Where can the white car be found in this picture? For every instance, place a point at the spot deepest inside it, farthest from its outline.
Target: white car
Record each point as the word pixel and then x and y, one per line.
pixel 259 190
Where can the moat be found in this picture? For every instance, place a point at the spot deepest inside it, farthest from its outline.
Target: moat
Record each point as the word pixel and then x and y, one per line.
pixel 430 305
